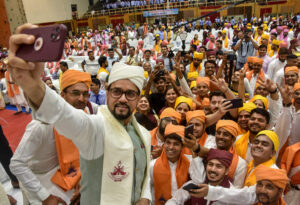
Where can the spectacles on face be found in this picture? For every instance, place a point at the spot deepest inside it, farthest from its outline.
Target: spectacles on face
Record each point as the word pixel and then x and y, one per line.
pixel 118 92
pixel 77 93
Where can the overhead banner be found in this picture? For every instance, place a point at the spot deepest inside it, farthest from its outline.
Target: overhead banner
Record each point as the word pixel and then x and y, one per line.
pixel 160 12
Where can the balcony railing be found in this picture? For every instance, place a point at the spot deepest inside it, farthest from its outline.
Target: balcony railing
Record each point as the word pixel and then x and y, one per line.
pixel 171 5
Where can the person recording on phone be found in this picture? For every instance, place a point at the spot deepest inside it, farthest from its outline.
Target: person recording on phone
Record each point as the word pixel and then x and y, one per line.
pixel 245 47
pixel 120 178
pixel 168 60
pixel 214 173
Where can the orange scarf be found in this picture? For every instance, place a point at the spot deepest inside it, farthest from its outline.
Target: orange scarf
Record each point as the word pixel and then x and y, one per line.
pixel 234 163
pixel 153 136
pixel 193 69
pixel 10 91
pixel 250 178
pixel 85 41
pixel 261 74
pixel 241 145
pixel 68 156
pixel 291 159
pixel 163 178
pixel 196 42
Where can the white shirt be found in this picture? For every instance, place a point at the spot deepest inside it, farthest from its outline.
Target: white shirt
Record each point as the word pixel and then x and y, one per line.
pixel 274 67
pixel 92 67
pixel 173 167
pixel 36 154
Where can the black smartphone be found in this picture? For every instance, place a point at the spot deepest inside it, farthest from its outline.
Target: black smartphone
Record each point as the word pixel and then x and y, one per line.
pixel 188 130
pixel 236 103
pixel 190 186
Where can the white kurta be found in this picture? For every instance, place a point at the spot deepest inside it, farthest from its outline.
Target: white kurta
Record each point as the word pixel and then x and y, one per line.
pixel 35 161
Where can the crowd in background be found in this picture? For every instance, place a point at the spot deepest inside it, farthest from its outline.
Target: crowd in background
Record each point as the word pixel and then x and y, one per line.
pixel 193 80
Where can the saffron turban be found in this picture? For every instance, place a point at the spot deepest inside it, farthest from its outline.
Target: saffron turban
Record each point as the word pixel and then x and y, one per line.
pixel 122 71
pixel 205 80
pixel 157 35
pixel 182 99
pixel 263 99
pixel 277 176
pixel 276 42
pixel 198 55
pixel 296 86
pixel 205 102
pixel 193 84
pixel 291 68
pixel 297 54
pixel 258 61
pixel 174 129
pixel 228 125
pixel 199 114
pixel 192 74
pixel 235 27
pixel 272 136
pixel 71 77
pixel 223 156
pixel 251 59
pixel 170 112
pixel 265 36
pixel 249 106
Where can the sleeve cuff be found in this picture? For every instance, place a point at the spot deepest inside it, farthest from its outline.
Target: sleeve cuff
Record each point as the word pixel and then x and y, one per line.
pixel 43 194
pixel 49 110
pixel 211 193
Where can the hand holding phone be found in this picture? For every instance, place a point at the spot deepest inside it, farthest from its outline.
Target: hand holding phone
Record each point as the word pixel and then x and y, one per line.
pixel 188 130
pixel 190 186
pixel 236 103
pixel 48 44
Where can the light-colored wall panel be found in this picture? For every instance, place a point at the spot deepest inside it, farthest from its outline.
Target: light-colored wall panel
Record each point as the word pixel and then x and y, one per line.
pixel 42 11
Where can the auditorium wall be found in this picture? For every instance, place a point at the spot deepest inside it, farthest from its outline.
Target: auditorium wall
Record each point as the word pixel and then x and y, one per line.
pixel 43 11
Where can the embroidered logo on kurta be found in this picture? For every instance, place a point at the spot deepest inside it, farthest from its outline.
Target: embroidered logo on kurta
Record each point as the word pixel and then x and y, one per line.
pixel 72 172
pixel 119 173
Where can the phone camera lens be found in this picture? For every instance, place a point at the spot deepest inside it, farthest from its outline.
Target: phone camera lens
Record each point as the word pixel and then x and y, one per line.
pixel 53 36
pixel 57 29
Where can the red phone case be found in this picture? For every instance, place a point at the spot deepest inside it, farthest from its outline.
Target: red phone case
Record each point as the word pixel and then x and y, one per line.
pixel 48 45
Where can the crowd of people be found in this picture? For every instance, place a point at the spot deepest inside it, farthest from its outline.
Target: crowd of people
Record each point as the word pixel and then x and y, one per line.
pixel 136 115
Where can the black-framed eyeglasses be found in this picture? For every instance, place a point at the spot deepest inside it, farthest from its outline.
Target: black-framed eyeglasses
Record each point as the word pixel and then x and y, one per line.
pixel 118 92
pixel 77 93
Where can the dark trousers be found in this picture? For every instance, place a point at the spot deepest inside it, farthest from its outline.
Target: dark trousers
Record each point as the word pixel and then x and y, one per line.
pixel 5 155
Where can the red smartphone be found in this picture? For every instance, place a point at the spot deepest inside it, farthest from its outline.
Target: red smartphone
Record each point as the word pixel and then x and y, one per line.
pixel 188 130
pixel 48 45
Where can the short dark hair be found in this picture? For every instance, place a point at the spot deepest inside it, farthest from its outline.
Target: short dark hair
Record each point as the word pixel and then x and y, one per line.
pixel 262 46
pixel 101 60
pixel 146 51
pixel 219 41
pixel 203 47
pixel 96 81
pixel 283 51
pixel 174 136
pixel 156 79
pixel 210 61
pixel 194 47
pixel 292 56
pixel 110 49
pixel 91 52
pixel 132 47
pixel 163 46
pixel 220 52
pixel 262 112
pixel 216 93
pixel 63 63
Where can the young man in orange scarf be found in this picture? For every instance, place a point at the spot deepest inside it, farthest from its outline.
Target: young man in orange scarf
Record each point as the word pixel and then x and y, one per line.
pixel 46 151
pixel 256 73
pixel 196 64
pixel 169 115
pixel 171 170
